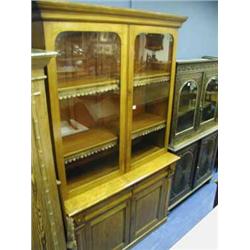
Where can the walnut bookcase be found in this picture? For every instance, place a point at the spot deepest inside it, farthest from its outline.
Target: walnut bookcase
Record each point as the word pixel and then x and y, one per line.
pixel 110 92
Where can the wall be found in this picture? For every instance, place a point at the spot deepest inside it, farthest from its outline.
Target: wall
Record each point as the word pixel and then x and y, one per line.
pixel 199 34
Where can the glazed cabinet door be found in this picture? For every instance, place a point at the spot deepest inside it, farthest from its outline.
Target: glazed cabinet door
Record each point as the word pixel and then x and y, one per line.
pixel 206 160
pixel 148 206
pixel 151 53
pixel 209 102
pixel 186 104
pixel 88 96
pixel 184 171
pixel 106 227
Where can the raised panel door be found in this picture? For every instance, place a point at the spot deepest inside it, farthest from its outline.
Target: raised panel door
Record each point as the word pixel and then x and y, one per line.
pixel 206 159
pixel 109 230
pixel 183 176
pixel 147 208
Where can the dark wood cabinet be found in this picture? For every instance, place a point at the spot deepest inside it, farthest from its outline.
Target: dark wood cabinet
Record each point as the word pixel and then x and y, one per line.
pixel 194 127
pixel 194 168
pixel 205 165
pixel 183 178
pixel 195 108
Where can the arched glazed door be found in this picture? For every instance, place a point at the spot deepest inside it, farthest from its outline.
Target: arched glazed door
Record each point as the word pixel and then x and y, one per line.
pixel 210 101
pixel 186 113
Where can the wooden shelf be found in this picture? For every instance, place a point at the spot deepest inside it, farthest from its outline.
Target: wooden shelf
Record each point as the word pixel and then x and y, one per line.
pixel 92 171
pixel 185 110
pixel 151 74
pixel 88 86
pixel 86 82
pixel 146 123
pixel 140 153
pixel 151 77
pixel 87 143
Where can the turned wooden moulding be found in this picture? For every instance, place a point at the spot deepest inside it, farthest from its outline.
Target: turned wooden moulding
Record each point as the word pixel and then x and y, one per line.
pixel 54 11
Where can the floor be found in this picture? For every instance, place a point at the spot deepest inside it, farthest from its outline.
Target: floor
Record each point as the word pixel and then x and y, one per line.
pixel 181 219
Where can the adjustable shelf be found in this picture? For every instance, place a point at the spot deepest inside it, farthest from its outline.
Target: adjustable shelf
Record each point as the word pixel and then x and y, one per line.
pixel 82 145
pixel 87 87
pixel 184 110
pixel 150 78
pixel 146 123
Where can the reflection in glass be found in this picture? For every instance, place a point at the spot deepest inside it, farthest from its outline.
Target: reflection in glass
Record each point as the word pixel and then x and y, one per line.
pixel 87 56
pixel 210 100
pixel 153 55
pixel 88 72
pixel 187 105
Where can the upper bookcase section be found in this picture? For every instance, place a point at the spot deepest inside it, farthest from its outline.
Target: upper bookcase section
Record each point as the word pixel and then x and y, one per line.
pixel 65 11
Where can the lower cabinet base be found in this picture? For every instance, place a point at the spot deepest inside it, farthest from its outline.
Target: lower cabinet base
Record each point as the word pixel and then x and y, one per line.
pixel 145 234
pixel 121 220
pixel 194 168
pixel 189 193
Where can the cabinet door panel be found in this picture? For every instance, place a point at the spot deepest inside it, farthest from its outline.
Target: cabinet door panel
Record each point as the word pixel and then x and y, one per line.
pixel 183 177
pixel 110 229
pixel 209 102
pixel 206 159
pixel 186 104
pixel 87 88
pixel 81 239
pixel 88 73
pixel 148 208
pixel 149 90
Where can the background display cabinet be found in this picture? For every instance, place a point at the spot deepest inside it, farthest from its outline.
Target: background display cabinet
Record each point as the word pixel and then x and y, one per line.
pixel 47 219
pixel 195 108
pixel 110 92
pixel 194 125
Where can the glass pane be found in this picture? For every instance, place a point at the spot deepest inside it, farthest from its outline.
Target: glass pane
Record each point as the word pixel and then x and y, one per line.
pixel 187 106
pixel 86 57
pixel 210 100
pixel 88 71
pixel 153 53
pixel 151 90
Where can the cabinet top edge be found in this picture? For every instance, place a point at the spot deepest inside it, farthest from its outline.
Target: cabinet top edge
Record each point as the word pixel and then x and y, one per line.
pixel 39 53
pixel 198 60
pixel 40 58
pixel 90 198
pixel 178 146
pixel 82 8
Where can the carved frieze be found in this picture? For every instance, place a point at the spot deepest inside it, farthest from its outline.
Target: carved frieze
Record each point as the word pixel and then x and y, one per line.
pixel 187 67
